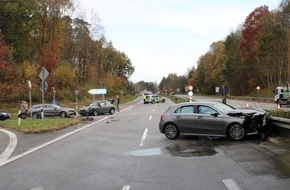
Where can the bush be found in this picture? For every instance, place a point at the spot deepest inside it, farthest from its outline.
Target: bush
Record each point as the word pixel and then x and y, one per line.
pixel 275 113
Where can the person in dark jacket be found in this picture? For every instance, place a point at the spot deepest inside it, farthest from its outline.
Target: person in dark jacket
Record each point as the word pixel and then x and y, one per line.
pixel 117 102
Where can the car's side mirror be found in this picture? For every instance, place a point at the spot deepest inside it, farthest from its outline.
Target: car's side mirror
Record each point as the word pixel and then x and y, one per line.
pixel 214 114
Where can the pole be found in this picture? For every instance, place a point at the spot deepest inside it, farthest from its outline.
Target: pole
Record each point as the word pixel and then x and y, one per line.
pixel 30 103
pixel 43 88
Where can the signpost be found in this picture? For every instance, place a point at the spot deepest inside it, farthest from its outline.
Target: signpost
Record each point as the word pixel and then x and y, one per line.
pixel 43 75
pixel 224 91
pixel 97 91
pixel 77 93
pixel 258 89
pixel 190 93
pixel 30 86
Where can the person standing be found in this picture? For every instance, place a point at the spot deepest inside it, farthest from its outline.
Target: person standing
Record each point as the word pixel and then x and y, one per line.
pixel 117 103
pixel 23 109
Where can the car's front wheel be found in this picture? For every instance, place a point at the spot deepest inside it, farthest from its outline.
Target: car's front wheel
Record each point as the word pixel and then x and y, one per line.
pixel 35 115
pixel 171 131
pixel 236 132
pixel 63 114
pixel 112 111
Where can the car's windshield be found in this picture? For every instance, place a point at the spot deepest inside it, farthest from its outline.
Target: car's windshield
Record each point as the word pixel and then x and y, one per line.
pixel 224 107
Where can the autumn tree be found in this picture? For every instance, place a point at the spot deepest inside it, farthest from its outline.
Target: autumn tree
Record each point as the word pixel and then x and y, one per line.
pixel 251 28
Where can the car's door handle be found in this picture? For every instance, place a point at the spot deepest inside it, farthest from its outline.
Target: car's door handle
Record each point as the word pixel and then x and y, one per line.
pixel 178 117
pixel 199 117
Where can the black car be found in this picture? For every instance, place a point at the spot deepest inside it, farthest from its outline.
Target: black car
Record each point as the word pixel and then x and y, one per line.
pixel 4 115
pixel 97 108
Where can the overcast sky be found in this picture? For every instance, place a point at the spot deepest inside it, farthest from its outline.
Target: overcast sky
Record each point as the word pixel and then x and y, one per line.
pixel 168 36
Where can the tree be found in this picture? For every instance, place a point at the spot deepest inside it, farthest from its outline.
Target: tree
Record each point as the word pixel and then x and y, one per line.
pixel 18 19
pixel 251 29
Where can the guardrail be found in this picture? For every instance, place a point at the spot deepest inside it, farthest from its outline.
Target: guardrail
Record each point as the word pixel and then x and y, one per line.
pixel 280 122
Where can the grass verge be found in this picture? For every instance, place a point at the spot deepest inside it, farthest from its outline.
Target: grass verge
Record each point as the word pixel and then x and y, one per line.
pixel 38 126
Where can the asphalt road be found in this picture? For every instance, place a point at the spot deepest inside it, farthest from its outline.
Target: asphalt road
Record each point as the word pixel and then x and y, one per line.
pixel 127 151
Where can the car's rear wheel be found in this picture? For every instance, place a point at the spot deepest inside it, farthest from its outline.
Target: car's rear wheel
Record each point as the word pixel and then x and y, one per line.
pixel 171 131
pixel 63 114
pixel 112 111
pixel 236 132
pixel 35 115
pixel 95 113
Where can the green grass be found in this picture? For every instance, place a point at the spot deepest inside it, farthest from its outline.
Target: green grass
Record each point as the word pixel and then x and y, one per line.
pixel 37 126
pixel 29 125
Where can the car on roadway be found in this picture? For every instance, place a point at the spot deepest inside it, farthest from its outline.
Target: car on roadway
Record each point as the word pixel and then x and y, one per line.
pixel 4 115
pixel 50 110
pixel 153 99
pixel 97 107
pixel 204 118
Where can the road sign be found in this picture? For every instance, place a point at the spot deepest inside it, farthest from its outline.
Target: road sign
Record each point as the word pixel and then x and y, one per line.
pixel 224 90
pixel 29 84
pixel 98 91
pixel 43 74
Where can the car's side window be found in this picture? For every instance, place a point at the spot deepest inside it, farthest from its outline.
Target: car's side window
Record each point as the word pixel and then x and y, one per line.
pixel 185 109
pixel 206 110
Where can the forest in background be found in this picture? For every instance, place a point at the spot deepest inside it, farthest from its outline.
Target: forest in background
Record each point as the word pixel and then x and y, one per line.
pixel 256 54
pixel 46 33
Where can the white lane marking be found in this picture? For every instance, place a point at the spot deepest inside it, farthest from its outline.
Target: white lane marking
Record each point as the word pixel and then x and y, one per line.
pixel 231 184
pixel 150 117
pixel 126 187
pixel 143 137
pixel 126 108
pixel 48 143
pixel 11 147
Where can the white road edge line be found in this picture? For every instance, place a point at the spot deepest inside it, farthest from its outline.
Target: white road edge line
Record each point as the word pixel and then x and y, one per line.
pixel 150 117
pixel 231 184
pixel 10 148
pixel 48 143
pixel 143 137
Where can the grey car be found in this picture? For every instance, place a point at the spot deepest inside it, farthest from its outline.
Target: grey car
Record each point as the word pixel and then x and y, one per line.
pixel 50 110
pixel 97 108
pixel 211 119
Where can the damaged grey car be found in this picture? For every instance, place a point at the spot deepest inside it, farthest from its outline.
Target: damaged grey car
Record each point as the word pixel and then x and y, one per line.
pixel 212 119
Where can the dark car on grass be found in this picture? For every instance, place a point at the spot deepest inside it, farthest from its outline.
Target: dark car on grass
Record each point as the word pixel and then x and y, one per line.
pixel 4 115
pixel 212 119
pixel 50 110
pixel 98 107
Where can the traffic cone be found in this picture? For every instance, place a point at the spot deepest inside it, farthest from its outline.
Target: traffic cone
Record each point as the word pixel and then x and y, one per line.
pixel 278 107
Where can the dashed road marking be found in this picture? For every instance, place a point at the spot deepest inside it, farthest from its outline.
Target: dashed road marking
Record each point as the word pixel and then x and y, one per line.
pixel 231 184
pixel 127 187
pixel 143 137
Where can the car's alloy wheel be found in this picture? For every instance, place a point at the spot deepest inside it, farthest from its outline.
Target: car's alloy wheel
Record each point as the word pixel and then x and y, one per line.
pixel 35 116
pixel 62 114
pixel 95 113
pixel 112 111
pixel 237 132
pixel 171 131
